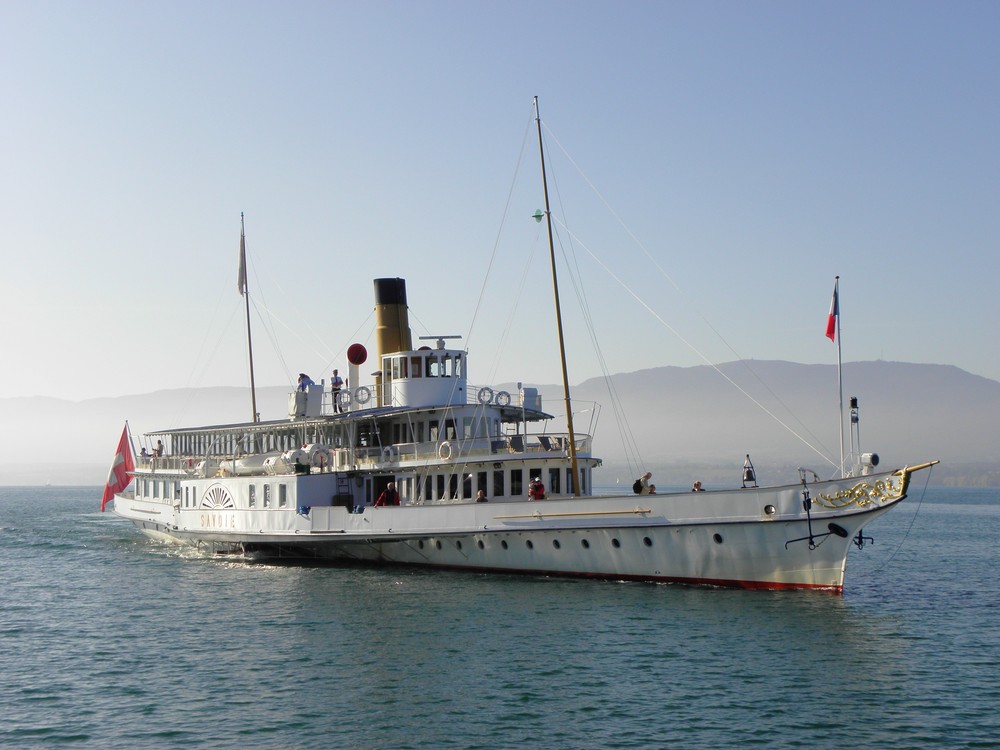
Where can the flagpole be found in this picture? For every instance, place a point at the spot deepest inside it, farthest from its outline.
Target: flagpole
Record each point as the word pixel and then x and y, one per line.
pixel 245 293
pixel 840 373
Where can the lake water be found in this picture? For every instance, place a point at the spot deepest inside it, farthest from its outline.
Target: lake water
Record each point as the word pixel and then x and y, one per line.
pixel 109 640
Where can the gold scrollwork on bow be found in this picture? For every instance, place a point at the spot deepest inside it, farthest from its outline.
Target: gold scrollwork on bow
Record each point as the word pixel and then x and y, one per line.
pixel 863 495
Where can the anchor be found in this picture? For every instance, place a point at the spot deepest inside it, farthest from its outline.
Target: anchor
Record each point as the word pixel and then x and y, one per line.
pixel 834 528
pixel 860 539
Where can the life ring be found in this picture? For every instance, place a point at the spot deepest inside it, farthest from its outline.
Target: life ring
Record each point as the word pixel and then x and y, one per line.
pixel 363 394
pixel 485 395
pixel 503 398
pixel 444 451
pixel 344 398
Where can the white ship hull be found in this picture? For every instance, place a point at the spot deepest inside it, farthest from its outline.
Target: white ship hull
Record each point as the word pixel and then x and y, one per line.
pixel 751 538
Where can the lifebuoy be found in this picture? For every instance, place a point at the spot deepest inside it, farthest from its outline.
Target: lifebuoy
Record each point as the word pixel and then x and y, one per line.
pixel 503 398
pixel 485 395
pixel 444 451
pixel 363 394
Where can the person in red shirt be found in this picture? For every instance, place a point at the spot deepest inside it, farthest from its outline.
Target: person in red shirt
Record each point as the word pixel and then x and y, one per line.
pixel 536 490
pixel 389 496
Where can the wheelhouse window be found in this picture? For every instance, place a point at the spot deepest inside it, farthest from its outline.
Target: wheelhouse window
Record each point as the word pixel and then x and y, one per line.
pixel 252 496
pixel 267 496
pixel 516 482
pixel 498 488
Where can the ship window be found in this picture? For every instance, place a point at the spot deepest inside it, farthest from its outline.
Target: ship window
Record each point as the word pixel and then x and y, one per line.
pixel 467 486
pixel 434 431
pixel 453 487
pixel 481 545
pixel 555 543
pixel 267 496
pixel 554 486
pixel 498 490
pixel 282 496
pixel 252 502
pixel 516 482
pixel 449 430
pixel 585 543
pixel 415 366
pixel 615 543
pixel 529 544
pixel 428 488
pixel 503 543
pixel 187 497
pixel 647 541
pixel 194 497
pixel 440 486
pixel 481 483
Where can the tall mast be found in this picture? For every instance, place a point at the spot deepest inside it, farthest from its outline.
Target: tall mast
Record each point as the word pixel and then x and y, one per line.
pixel 559 327
pixel 241 282
pixel 840 372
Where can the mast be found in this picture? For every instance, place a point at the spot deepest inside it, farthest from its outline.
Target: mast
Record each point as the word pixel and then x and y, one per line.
pixel 559 327
pixel 840 373
pixel 241 283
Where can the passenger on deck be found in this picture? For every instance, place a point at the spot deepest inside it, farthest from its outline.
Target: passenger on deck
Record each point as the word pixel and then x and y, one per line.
pixel 536 490
pixel 644 481
pixel 652 489
pixel 336 383
pixel 158 450
pixel 697 487
pixel 481 497
pixel 304 382
pixel 144 454
pixel 389 496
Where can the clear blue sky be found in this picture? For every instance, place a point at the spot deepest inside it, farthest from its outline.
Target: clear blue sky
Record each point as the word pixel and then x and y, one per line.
pixel 755 150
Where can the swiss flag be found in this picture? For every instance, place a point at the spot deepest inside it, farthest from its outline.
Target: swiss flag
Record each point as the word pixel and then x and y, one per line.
pixel 118 477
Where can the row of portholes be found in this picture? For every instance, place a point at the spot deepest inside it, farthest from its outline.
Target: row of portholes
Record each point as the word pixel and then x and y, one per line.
pixel 585 543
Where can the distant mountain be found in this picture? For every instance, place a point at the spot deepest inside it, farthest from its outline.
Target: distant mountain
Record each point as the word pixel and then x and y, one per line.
pixel 686 421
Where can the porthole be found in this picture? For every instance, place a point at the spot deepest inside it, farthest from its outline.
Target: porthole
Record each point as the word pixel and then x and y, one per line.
pixel 529 544
pixel 420 544
pixel 615 543
pixel 480 543
pixel 503 543
pixel 555 543
pixel 458 544
pixel 585 543
pixel 769 510
pixel 438 544
pixel 717 538
pixel 647 541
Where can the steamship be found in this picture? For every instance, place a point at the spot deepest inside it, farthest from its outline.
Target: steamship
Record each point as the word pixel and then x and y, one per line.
pixel 308 486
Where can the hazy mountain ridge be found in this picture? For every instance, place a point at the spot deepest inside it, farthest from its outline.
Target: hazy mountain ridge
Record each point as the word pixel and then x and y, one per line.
pixel 687 421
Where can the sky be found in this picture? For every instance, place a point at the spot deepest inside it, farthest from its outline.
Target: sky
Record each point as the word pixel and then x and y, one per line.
pixel 712 167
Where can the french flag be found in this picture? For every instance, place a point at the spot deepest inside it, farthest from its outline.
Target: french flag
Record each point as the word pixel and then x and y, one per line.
pixel 831 321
